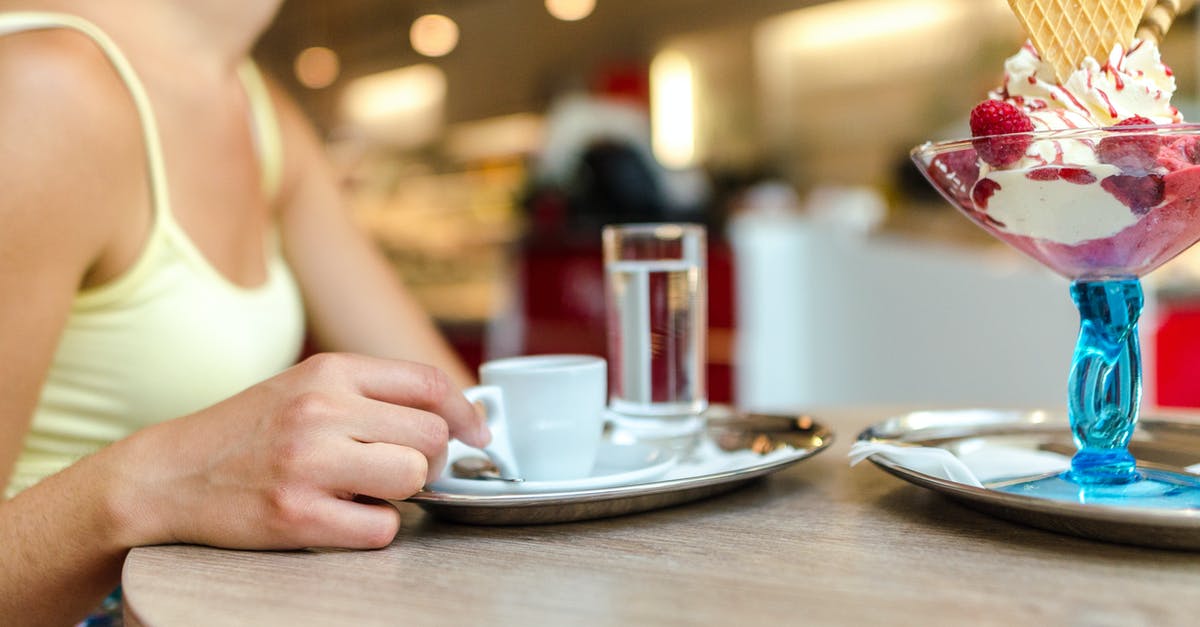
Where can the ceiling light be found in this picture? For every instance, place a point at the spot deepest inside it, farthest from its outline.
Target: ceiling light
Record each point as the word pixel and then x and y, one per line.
pixel 570 10
pixel 403 106
pixel 673 109
pixel 433 35
pixel 317 67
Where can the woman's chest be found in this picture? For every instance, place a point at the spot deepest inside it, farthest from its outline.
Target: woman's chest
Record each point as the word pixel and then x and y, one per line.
pixel 176 339
pixel 215 179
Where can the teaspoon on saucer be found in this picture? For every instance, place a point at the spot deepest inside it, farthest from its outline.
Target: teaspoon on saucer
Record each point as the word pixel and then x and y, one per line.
pixel 479 468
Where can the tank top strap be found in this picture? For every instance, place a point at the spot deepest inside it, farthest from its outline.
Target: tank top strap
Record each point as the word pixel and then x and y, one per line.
pixel 16 22
pixel 267 137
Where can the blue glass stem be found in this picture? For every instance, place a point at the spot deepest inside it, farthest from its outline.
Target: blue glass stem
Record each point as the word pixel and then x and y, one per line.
pixel 1105 388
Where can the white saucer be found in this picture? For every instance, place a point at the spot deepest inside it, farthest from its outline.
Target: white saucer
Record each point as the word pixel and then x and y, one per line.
pixel 616 465
pixel 734 450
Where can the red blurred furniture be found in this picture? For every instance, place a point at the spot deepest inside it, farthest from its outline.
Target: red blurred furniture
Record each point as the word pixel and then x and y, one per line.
pixel 1177 354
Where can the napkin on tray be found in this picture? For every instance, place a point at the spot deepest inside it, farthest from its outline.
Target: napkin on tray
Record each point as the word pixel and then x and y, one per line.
pixel 969 462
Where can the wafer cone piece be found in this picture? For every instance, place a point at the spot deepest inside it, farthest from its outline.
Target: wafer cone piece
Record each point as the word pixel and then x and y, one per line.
pixel 1160 14
pixel 1066 31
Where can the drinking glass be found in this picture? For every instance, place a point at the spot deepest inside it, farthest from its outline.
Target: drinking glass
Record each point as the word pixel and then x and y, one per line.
pixel 657 318
pixel 1101 207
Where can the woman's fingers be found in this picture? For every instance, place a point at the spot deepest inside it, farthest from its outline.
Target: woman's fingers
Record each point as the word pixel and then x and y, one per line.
pixel 350 524
pixel 277 465
pixel 380 470
pixel 367 421
pixel 413 385
pixel 357 445
pixel 374 421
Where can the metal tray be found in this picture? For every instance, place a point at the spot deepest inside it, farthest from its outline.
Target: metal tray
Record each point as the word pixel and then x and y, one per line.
pixel 728 429
pixel 1158 442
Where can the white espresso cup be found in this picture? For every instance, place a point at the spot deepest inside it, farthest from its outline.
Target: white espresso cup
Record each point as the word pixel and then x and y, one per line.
pixel 546 413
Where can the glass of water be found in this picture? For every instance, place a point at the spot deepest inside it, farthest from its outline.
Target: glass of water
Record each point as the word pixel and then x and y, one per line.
pixel 657 318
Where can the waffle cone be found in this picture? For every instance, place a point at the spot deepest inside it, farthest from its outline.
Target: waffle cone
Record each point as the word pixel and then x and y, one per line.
pixel 1160 14
pixel 1066 31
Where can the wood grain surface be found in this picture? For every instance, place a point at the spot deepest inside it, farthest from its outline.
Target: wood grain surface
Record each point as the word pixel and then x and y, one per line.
pixel 819 543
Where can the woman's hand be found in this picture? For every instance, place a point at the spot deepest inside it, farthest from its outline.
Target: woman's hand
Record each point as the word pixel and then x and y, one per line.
pixel 281 464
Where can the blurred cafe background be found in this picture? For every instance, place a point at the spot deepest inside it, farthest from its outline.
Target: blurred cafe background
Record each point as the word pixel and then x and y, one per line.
pixel 484 143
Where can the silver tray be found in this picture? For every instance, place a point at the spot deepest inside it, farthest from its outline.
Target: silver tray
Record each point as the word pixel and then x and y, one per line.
pixel 729 430
pixel 1158 442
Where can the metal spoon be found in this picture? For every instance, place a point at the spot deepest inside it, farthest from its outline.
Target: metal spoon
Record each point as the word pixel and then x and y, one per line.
pixel 479 468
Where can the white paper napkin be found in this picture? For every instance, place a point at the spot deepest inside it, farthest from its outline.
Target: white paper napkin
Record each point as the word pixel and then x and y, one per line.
pixel 937 462
pixel 971 462
pixel 994 462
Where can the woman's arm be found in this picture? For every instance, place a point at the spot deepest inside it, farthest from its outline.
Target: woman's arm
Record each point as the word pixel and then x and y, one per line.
pixel 355 300
pixel 68 174
pixel 279 465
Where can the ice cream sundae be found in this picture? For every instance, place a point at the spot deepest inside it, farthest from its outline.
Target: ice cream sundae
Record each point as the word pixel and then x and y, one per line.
pixel 1079 160
pixel 1082 173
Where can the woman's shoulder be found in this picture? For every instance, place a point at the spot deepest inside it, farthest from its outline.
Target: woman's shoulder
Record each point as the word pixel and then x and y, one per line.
pixel 296 134
pixel 61 77
pixel 72 147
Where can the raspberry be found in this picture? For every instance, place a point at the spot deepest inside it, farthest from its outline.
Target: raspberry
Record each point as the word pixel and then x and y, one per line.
pixel 1139 193
pixel 1079 176
pixel 1188 146
pixel 1134 154
pixel 959 168
pixel 960 164
pixel 996 117
pixel 954 172
pixel 1135 120
pixel 1180 153
pixel 983 192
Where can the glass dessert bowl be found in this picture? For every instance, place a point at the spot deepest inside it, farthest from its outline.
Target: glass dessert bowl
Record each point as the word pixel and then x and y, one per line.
pixel 1102 207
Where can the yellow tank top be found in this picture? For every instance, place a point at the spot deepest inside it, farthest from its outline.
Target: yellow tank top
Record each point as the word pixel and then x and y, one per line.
pixel 171 335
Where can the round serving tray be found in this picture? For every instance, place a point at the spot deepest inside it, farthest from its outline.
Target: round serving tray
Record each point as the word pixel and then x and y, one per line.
pixel 787 439
pixel 1158 442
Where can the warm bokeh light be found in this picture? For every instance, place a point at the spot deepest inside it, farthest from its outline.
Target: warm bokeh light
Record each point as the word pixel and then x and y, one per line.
pixel 433 35
pixel 570 10
pixel 402 106
pixel 862 34
pixel 807 61
pixel 497 137
pixel 828 26
pixel 673 109
pixel 317 67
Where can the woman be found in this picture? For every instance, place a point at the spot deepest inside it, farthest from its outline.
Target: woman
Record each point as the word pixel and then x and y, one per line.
pixel 168 224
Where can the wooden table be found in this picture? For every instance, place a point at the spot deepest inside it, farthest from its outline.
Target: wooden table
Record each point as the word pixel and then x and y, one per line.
pixel 819 543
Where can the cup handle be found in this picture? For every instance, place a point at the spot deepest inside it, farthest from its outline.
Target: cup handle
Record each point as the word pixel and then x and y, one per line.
pixel 500 449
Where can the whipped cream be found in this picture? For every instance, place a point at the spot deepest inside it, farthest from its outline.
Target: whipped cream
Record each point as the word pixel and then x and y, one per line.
pixel 1130 83
pixel 1081 212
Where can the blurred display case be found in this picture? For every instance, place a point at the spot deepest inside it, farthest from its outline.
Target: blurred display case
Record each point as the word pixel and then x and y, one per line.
pixel 451 236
